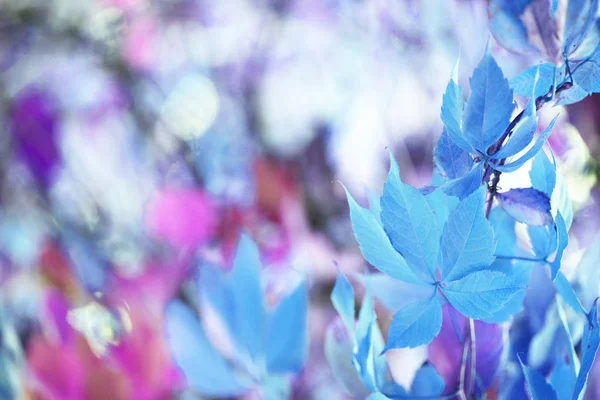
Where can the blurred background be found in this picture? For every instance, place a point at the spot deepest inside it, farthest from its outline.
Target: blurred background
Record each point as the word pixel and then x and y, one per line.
pixel 139 138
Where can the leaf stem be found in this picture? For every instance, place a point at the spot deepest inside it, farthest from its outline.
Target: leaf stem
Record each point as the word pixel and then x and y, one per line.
pixel 521 258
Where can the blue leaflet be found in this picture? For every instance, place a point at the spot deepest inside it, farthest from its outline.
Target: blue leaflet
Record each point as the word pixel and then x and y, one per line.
pixel 528 205
pixel 523 83
pixel 504 231
pixel 573 95
pixel 452 161
pixel 480 294
pixel 342 298
pixel 543 173
pixel 205 370
pixel 465 185
pixel 416 323
pixel 537 386
pixel 286 334
pixel 522 134
pixel 587 276
pixel 541 140
pixel 490 105
pixel 374 205
pixel 589 346
pixel 339 354
pixel 507 27
pixel 509 30
pixel 246 293
pixel 427 382
pixel 375 244
pixel 563 241
pixel 440 203
pixel 566 291
pixel 579 19
pixel 520 271
pixel 562 379
pixel 387 290
pixel 543 240
pixel 563 202
pixel 410 223
pixel 451 113
pixel 467 242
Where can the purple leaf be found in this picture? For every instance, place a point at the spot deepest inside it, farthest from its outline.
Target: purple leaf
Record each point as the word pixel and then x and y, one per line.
pixel 445 351
pixel 529 206
pixel 34 124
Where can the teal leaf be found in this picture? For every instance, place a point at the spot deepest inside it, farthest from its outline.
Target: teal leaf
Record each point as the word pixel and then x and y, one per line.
pixel 286 334
pixel 481 294
pixel 533 150
pixel 410 224
pixel 205 370
pixel 467 242
pixel 523 83
pixel 563 241
pixel 490 105
pixel 376 246
pixel 416 323
pixel 465 185
pixel 342 298
pixel 451 160
pixel 537 386
pixel 589 347
pixel 543 173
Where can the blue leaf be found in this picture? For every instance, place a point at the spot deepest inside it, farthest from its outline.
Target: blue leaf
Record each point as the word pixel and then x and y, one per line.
pixel 520 272
pixel 451 113
pixel 410 224
pixel 205 370
pixel 507 27
pixel 467 242
pixel 574 95
pixel 533 150
pixel 562 379
pixel 286 337
pixel 568 294
pixel 367 358
pixel 481 294
pixel 452 161
pixel 529 206
pixel 523 83
pixel 580 17
pixel 339 350
pixel 465 185
pixel 504 231
pixel 563 201
pixel 537 386
pixel 543 173
pixel 427 382
pixel 587 276
pixel 386 290
pixel 523 134
pixel 563 241
pixel 440 203
pixel 375 244
pixel 489 107
pixel 415 324
pixel 589 346
pixel 543 240
pixel 342 297
pixel 247 295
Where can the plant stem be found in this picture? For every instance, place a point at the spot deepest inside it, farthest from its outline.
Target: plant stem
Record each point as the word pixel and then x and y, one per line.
pixel 493 184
